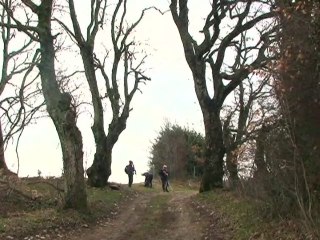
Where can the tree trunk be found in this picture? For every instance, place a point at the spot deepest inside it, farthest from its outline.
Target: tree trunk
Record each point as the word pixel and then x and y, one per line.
pixel 231 146
pixel 232 168
pixel 62 114
pixel 214 152
pixel 3 164
pixel 100 170
pixel 259 158
pixel 71 143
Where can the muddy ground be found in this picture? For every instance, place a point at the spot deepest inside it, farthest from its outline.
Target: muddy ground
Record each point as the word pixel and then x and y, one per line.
pixel 174 215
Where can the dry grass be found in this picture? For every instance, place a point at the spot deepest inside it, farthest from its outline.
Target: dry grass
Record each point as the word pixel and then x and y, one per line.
pixel 31 207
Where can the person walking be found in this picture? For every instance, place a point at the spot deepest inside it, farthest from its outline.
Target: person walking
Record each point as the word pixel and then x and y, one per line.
pixel 164 175
pixel 130 170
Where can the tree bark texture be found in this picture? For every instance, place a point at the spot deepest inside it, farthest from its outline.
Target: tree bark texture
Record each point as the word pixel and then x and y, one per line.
pixel 214 153
pixel 61 112
pixel 232 168
pixel 231 154
pixel 100 170
pixel 259 157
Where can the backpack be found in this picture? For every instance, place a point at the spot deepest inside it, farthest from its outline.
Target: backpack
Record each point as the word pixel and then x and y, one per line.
pixel 126 170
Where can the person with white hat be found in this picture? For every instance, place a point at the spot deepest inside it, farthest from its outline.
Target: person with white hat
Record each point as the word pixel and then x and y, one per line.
pixel 164 175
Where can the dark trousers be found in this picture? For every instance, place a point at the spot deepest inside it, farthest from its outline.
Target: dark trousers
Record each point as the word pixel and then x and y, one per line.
pixel 165 185
pixel 130 179
pixel 148 181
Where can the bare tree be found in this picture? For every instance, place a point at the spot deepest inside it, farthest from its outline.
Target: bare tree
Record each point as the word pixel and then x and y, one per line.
pixel 242 123
pixel 59 104
pixel 126 75
pixel 18 107
pixel 209 56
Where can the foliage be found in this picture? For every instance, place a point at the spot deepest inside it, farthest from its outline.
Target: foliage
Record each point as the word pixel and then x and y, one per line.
pixel 179 148
pixel 273 181
pixel 297 78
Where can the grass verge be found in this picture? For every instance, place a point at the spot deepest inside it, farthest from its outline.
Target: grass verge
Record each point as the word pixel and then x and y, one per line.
pixel 242 218
pixel 40 218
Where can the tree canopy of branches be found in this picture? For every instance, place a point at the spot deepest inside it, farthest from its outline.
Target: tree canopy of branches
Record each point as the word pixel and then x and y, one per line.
pixel 36 22
pixel 180 149
pixel 209 58
pixel 18 100
pixel 244 117
pixel 121 82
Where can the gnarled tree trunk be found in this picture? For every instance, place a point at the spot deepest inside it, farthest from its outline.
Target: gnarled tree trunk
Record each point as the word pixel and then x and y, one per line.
pixel 100 170
pixel 214 152
pixel 61 111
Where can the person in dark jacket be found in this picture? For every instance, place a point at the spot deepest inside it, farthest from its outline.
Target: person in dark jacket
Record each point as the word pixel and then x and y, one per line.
pixel 130 170
pixel 148 179
pixel 164 175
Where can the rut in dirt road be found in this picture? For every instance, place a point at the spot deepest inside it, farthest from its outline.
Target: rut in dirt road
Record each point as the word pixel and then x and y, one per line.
pixel 152 216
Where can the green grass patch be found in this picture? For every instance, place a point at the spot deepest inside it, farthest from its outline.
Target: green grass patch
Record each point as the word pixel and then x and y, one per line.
pixel 104 195
pixel 242 214
pixel 102 201
pixel 244 217
pixel 187 185
pixel 2 225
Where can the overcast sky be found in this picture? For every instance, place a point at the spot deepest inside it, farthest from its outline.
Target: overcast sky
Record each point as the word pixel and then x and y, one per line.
pixel 169 96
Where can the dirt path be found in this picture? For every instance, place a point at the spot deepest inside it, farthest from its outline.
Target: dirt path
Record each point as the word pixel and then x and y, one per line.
pixel 154 215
